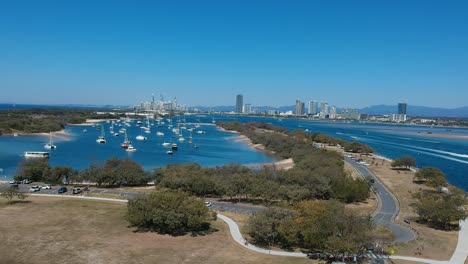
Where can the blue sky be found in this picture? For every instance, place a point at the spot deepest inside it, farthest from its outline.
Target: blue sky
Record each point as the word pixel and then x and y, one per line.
pixel 349 53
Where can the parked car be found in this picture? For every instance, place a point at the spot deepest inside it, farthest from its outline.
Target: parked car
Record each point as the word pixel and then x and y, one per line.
pixel 14 186
pixel 25 181
pixel 76 190
pixel 35 188
pixel 46 187
pixel 62 190
pixel 207 204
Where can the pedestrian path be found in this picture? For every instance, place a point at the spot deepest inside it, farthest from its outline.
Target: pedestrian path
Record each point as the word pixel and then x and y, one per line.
pixel 458 257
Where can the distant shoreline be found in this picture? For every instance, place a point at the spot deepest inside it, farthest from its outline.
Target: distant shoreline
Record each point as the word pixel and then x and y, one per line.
pixel 284 164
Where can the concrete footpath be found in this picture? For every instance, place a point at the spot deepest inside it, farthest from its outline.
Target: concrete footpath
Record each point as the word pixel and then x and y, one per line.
pixel 458 257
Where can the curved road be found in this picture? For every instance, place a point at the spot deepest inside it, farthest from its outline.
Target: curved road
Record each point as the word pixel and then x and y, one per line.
pixel 389 205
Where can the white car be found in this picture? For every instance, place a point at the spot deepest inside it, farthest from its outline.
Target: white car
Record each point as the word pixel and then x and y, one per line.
pixel 207 204
pixel 45 187
pixel 35 189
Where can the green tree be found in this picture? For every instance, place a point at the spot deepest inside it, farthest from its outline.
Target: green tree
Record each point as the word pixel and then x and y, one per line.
pixel 408 161
pixel 32 169
pixel 433 177
pixel 442 211
pixel 265 227
pixel 325 226
pixel 169 212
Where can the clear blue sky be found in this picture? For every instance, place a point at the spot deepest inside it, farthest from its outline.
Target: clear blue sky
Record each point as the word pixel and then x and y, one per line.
pixel 349 53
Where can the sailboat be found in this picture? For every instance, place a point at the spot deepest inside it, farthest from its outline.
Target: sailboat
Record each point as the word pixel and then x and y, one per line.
pixel 166 144
pixel 190 138
pixel 112 128
pixel 159 134
pixel 141 137
pixel 102 138
pixel 50 145
pixel 126 142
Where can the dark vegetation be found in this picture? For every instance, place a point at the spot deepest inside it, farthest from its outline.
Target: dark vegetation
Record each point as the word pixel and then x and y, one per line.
pixel 440 210
pixel 439 207
pixel 405 162
pixel 42 120
pixel 113 173
pixel 169 212
pixel 314 226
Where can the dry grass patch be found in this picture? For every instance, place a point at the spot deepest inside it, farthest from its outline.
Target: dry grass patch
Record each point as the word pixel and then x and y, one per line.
pixel 60 230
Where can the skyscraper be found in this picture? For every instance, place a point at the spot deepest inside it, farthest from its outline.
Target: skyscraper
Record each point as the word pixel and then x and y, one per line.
pixel 324 108
pixel 239 103
pixel 247 109
pixel 299 107
pixel 312 109
pixel 402 108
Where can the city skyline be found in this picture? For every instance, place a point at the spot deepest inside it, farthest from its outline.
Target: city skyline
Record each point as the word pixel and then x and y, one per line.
pixel 203 52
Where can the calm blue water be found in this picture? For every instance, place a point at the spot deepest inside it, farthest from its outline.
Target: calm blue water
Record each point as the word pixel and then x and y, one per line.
pixel 217 147
pixel 80 149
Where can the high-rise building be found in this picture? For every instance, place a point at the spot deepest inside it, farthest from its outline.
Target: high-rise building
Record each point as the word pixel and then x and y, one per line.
pixel 332 112
pixel 312 109
pixel 303 108
pixel 299 108
pixel 324 108
pixel 402 108
pixel 239 103
pixel 247 109
pixel 352 114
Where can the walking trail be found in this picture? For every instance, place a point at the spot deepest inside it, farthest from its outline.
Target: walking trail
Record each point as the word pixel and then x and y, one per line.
pixel 458 257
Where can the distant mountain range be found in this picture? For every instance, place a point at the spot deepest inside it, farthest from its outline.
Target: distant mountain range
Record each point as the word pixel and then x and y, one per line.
pixel 412 110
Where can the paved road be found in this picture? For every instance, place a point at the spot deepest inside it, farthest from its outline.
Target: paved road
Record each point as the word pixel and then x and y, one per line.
pixel 389 206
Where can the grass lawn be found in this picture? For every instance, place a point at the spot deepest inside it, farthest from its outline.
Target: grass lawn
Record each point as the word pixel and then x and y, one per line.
pixel 60 230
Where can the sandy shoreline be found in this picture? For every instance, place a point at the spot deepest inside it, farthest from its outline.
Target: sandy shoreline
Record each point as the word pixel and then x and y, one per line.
pixel 285 164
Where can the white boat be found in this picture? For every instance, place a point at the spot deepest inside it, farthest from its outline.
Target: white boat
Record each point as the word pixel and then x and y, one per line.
pixel 116 134
pixel 50 145
pixel 200 132
pixel 147 131
pixel 130 148
pixel 102 138
pixel 36 154
pixel 166 144
pixel 175 147
pixel 85 130
pixel 141 137
pixel 181 139
pixel 122 130
pixel 139 123
pixel 170 152
pixel 160 134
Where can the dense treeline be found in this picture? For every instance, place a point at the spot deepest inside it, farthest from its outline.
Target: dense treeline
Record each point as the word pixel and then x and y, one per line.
pixel 290 144
pixel 112 173
pixel 42 119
